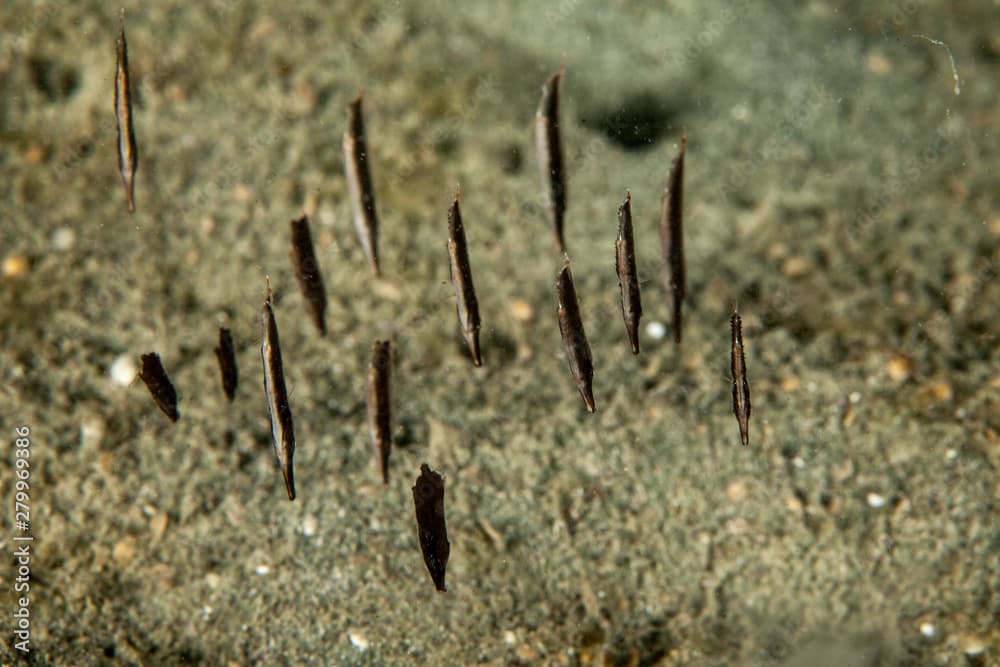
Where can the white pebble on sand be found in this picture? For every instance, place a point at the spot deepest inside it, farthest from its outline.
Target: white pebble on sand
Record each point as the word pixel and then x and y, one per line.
pixel 656 330
pixel 262 570
pixel 358 640
pixel 974 647
pixel 927 630
pixel 92 432
pixel 63 238
pixel 309 525
pixel 875 500
pixel 123 370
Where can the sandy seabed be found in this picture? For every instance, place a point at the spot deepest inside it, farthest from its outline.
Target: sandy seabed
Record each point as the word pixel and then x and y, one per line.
pixel 838 188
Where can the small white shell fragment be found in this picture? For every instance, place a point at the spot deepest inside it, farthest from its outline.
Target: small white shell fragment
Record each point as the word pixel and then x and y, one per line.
pixel 951 454
pixel 92 432
pixel 927 630
pixel 158 525
pixel 854 397
pixel 309 525
pixel 123 370
pixel 973 647
pixel 509 638
pixel 63 238
pixel 358 640
pixel 262 570
pixel 656 330
pixel 875 500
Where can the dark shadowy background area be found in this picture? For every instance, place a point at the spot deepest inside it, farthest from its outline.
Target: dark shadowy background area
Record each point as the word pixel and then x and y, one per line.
pixel 838 187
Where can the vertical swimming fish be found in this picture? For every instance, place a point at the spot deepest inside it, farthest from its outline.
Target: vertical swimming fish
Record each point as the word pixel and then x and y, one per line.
pixel 574 337
pixel 628 278
pixel 549 145
pixel 741 387
pixel 307 272
pixel 461 278
pixel 428 498
pixel 226 355
pixel 380 404
pixel 282 430
pixel 128 155
pixel 159 385
pixel 360 185
pixel 672 237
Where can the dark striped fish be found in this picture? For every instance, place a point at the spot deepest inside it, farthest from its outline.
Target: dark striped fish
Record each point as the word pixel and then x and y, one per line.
pixel 581 364
pixel 428 498
pixel 741 388
pixel 628 278
pixel 159 385
pixel 128 155
pixel 307 272
pixel 672 237
pixel 461 278
pixel 226 355
pixel 282 430
pixel 380 404
pixel 548 143
pixel 360 185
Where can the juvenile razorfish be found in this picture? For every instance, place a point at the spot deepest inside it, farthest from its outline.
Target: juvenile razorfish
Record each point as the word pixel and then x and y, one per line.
pixel 672 237
pixel 282 430
pixel 628 278
pixel 461 278
pixel 158 382
pixel 581 364
pixel 306 267
pixel 432 531
pixel 380 404
pixel 226 354
pixel 128 154
pixel 359 183
pixel 549 145
pixel 741 387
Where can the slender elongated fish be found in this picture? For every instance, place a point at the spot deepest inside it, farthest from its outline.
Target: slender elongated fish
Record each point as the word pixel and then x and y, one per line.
pixel 672 238
pixel 307 272
pixel 549 145
pixel 628 277
pixel 156 380
pixel 128 154
pixel 741 387
pixel 359 183
pixel 282 430
pixel 380 404
pixel 226 355
pixel 428 498
pixel 461 278
pixel 574 337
